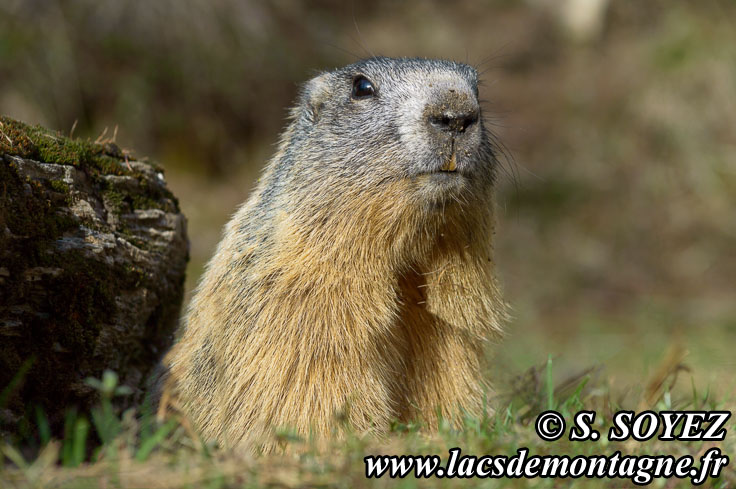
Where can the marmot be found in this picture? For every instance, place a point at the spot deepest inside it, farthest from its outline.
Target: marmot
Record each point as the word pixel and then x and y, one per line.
pixel 356 284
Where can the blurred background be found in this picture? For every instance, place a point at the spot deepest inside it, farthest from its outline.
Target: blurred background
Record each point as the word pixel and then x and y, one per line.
pixel 617 197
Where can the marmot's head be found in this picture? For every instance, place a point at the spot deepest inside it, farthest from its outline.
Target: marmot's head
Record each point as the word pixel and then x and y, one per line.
pixel 385 120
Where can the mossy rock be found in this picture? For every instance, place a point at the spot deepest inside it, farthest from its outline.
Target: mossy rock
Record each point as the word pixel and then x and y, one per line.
pixel 93 251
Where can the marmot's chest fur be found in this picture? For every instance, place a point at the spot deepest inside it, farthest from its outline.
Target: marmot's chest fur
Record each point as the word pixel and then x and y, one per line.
pixel 356 284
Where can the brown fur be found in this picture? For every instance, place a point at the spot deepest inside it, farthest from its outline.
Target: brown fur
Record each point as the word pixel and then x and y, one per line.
pixel 374 308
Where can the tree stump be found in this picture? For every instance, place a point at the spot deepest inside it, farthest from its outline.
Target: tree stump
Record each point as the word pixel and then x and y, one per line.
pixel 93 250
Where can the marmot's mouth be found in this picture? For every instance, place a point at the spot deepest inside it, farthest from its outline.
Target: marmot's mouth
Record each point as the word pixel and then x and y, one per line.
pixel 450 165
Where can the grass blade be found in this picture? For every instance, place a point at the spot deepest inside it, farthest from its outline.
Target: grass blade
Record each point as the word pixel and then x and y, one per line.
pixel 150 443
pixel 16 380
pixel 44 430
pixel 550 386
pixel 79 447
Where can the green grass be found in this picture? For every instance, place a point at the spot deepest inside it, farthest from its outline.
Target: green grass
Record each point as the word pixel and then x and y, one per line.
pixel 129 449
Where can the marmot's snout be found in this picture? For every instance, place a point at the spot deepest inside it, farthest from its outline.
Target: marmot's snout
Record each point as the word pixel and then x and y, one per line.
pixel 452 110
pixel 451 116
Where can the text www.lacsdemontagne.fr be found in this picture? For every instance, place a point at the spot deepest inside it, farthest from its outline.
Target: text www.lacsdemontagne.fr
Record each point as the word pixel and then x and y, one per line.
pixel 640 469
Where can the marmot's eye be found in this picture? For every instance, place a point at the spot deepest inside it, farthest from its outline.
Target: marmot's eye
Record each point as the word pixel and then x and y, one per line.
pixel 362 87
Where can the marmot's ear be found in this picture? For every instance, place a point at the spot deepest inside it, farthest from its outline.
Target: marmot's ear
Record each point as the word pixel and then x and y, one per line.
pixel 314 93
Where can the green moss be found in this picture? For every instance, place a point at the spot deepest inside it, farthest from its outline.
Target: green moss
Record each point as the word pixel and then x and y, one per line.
pixel 115 199
pixel 145 202
pixel 95 159
pixel 36 142
pixel 59 186
pixel 15 139
pixel 62 150
pixel 33 218
pixel 109 165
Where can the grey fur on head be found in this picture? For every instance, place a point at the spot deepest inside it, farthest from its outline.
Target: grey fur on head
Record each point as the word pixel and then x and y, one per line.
pixel 359 134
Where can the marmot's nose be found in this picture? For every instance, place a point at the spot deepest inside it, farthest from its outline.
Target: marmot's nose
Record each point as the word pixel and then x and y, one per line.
pixel 452 110
pixel 455 122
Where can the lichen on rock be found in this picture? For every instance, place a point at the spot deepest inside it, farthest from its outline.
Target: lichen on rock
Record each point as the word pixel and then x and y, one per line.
pixel 93 251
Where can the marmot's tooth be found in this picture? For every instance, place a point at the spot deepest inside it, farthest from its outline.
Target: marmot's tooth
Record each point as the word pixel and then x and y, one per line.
pixel 450 164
